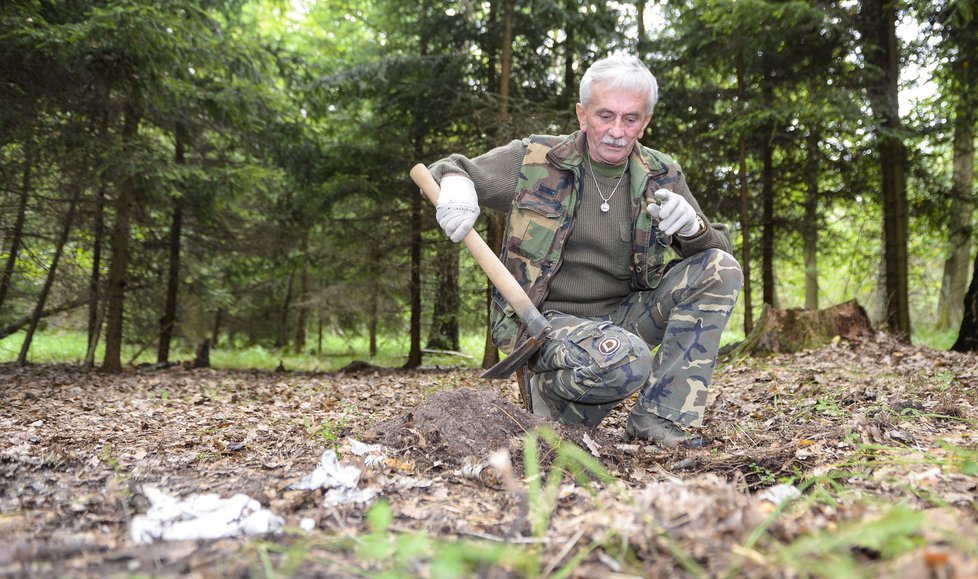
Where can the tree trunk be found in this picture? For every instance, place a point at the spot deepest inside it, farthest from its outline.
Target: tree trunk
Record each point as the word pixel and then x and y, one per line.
pixel 118 269
pixel 16 238
pixel 495 231
pixel 443 334
pixel 960 229
pixel 95 280
pixel 96 310
pixel 884 92
pixel 414 355
pixel 767 210
pixel 374 319
pixel 283 320
pixel 416 231
pixel 968 334
pixel 744 205
pixel 319 332
pixel 491 49
pixel 497 223
pixel 49 279
pixel 809 228
pixel 216 328
pixel 506 62
pixel 643 46
pixel 569 94
pixel 169 319
pixel 302 304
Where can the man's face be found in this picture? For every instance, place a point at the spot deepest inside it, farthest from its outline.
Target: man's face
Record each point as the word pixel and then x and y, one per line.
pixel 613 121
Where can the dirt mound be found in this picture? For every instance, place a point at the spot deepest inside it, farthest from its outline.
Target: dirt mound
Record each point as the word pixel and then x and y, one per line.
pixel 456 425
pixel 461 426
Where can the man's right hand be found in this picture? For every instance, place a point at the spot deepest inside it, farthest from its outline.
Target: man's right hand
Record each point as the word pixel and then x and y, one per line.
pixel 458 206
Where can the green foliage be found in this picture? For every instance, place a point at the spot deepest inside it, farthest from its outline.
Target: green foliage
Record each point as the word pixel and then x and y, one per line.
pixel 59 347
pixel 327 431
pixel 937 339
pixel 963 460
pixel 398 554
pixel 336 352
pixel 299 121
pixel 108 458
pixel 764 476
pixel 569 461
pixel 829 553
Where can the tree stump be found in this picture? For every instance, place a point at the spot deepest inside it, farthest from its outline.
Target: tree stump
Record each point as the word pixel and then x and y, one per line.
pixel 203 357
pixel 793 330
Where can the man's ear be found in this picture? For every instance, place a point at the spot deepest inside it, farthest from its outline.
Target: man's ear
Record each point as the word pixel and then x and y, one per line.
pixel 582 116
pixel 646 125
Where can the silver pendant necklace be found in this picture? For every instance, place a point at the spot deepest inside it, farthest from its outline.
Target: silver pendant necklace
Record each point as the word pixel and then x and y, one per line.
pixel 605 207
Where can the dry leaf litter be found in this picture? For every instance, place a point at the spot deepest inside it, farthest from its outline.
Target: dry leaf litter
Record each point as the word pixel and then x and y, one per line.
pixel 85 455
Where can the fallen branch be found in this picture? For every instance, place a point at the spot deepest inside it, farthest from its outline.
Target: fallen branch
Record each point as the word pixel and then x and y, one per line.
pixel 14 327
pixel 447 353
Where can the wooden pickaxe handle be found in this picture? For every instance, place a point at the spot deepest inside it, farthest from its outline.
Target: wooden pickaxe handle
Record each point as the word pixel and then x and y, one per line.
pixel 500 277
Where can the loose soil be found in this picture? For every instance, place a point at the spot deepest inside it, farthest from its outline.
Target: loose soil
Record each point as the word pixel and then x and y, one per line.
pixel 886 430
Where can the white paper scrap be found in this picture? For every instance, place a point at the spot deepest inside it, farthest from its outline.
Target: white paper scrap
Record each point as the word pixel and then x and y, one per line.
pixel 593 446
pixel 373 455
pixel 329 474
pixel 201 516
pixel 338 480
pixel 361 448
pixel 779 493
pixel 337 497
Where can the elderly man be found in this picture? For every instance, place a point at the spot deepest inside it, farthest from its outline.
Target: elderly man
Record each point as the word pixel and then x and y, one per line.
pixel 591 216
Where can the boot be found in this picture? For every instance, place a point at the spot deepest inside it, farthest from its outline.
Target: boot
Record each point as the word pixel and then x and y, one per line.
pixel 643 425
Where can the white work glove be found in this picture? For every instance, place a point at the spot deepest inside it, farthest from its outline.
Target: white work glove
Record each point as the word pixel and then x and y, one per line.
pixel 674 214
pixel 458 206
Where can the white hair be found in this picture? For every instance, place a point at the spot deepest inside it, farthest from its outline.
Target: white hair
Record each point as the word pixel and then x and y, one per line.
pixel 621 71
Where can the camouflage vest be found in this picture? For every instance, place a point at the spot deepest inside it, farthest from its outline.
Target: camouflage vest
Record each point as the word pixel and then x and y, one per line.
pixel 542 216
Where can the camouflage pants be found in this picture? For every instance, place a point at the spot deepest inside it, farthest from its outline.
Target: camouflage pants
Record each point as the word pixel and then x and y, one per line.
pixel 587 366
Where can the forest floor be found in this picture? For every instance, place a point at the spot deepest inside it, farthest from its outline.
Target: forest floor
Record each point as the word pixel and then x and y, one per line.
pixel 856 459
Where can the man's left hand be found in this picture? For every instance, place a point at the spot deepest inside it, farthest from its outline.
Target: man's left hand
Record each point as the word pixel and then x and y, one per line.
pixel 674 214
